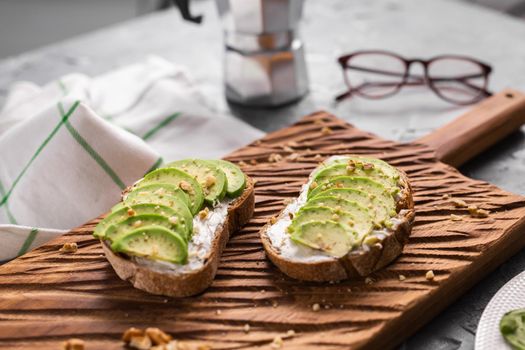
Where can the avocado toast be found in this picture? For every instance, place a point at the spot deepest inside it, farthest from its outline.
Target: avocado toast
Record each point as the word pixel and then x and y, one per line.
pixel 352 218
pixel 167 234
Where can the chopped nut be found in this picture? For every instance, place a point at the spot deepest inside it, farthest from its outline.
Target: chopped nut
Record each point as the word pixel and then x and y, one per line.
pixel 73 344
pixel 350 168
pixel 242 163
pixel 316 307
pixel 218 312
pixel 430 275
pixel 275 157
pixel 369 280
pixel 253 161
pixel 287 149
pixel 140 343
pixel 459 203
pixel 335 217
pixel 132 332
pixel 275 304
pixel 293 156
pixel 137 223
pixel 313 185
pixel 173 220
pixel 476 212
pixel 290 333
pixel 402 277
pixel 210 180
pixel 157 336
pixel 246 328
pixel 277 343
pixel 318 156
pixel 203 347
pixel 445 196
pixel 69 248
pixel 203 214
pixel 455 217
pixel 185 186
pixel 273 220
pixel 326 130
pixel 368 166
pixel 131 212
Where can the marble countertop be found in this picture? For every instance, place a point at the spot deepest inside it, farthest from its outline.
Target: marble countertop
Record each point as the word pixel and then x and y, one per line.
pixel 414 28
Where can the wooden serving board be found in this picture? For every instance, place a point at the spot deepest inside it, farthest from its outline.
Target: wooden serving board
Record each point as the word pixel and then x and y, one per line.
pixel 47 297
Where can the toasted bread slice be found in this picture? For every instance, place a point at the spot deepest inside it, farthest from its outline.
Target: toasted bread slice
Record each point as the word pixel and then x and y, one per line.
pixel 356 264
pixel 160 278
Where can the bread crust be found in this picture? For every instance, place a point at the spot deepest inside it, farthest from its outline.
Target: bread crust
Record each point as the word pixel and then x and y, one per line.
pixel 357 264
pixel 240 212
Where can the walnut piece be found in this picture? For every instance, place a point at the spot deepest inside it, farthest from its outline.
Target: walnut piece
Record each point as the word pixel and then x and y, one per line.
pixel 476 212
pixel 132 332
pixel 459 203
pixel 73 344
pixel 69 248
pixel 277 343
pixel 402 277
pixel 203 214
pixel 455 217
pixel 210 181
pixel 185 186
pixel 275 157
pixel 316 307
pixel 140 343
pixel 430 275
pixel 157 336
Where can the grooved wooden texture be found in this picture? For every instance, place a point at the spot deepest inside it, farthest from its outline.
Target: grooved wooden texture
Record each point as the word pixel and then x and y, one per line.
pixel 47 297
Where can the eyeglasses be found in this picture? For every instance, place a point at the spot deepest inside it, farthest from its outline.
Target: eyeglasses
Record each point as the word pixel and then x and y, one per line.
pixel 378 74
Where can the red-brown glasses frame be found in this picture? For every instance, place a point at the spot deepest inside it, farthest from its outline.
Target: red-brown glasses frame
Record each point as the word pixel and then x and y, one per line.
pixel 426 79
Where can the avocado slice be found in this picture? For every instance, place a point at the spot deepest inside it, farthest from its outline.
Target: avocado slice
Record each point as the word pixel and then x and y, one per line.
pixel 234 175
pixel 386 168
pixel 173 223
pixel 212 179
pixel 356 169
pixel 360 183
pixel 153 242
pixel 361 219
pixel 160 190
pixel 329 236
pixel 379 210
pixel 179 179
pixel 122 213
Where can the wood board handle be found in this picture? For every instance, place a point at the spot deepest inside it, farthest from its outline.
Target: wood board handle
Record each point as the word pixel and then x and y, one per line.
pixel 481 127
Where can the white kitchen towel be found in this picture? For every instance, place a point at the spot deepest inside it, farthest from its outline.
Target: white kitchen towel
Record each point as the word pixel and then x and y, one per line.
pixel 67 149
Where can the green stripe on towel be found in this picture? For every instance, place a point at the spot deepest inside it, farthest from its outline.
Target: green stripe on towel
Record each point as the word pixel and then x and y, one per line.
pixel 38 151
pixel 29 240
pixel 10 216
pixel 159 126
pixel 91 151
pixel 156 165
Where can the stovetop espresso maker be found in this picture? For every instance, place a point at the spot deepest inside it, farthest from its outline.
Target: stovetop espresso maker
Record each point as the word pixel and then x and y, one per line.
pixel 264 61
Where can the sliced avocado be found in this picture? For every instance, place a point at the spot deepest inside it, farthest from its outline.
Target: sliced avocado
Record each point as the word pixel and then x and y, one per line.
pixel 153 242
pixel 173 223
pixel 179 179
pixel 361 220
pixel 360 183
pixel 122 213
pixel 328 236
pixel 212 179
pixel 356 169
pixel 235 176
pixel 379 210
pixel 160 189
pixel 386 168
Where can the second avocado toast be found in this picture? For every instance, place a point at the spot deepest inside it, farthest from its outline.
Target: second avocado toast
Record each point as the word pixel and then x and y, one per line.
pixel 167 234
pixel 352 218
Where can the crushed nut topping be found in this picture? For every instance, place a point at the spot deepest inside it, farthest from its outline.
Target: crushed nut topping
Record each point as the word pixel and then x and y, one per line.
pixel 459 203
pixel 316 307
pixel 69 248
pixel 369 280
pixel 368 166
pixel 173 220
pixel 137 223
pixel 246 328
pixel 242 163
pixel 273 220
pixel 157 336
pixel 203 214
pixel 73 344
pixel 131 212
pixel 210 180
pixel 455 217
pixel 275 157
pixel 185 186
pixel 402 277
pixel 140 343
pixel 326 130
pixel 430 275
pixel 290 333
pixel 445 196
pixel 313 185
pixel 277 343
pixel 476 212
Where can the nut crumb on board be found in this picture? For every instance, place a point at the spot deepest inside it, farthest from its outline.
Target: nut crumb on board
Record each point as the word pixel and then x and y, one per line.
pixel 253 161
pixel 273 220
pixel 275 157
pixel 69 248
pixel 459 203
pixel 203 214
pixel 73 344
pixel 242 163
pixel 369 280
pixel 151 338
pixel 293 156
pixel 326 130
pixel 476 212
pixel 316 307
pixel 402 277
pixel 277 343
pixel 430 275
pixel 445 196
pixel 246 328
pixel 455 217
pixel 290 333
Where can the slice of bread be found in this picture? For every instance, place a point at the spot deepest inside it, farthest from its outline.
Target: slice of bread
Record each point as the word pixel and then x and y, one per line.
pixel 359 262
pixel 155 278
